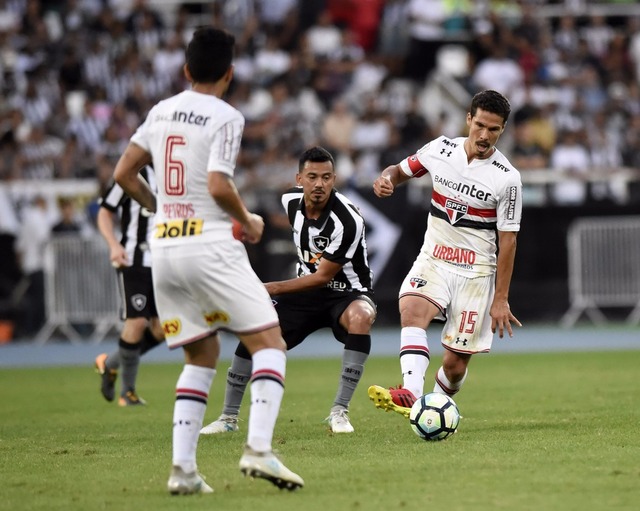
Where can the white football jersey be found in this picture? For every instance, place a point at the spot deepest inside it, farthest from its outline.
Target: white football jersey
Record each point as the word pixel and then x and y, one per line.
pixel 188 136
pixel 470 201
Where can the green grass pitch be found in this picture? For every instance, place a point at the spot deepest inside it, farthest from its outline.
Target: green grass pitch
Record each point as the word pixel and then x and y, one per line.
pixel 539 432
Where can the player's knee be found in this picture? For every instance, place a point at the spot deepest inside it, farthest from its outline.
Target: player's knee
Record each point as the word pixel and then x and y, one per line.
pixel 358 319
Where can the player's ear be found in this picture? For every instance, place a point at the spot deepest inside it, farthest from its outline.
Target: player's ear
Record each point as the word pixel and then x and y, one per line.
pixel 229 74
pixel 187 73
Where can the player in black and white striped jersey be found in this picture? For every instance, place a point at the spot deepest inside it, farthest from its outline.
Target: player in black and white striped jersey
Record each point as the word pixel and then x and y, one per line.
pixel 333 287
pixel 130 255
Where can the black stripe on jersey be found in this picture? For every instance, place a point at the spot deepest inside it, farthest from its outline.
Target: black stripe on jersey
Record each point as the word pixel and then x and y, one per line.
pixel 131 215
pixel 463 222
pixel 141 231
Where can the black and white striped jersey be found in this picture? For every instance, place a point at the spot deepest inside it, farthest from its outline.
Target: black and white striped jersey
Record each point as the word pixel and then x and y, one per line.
pixel 136 223
pixel 338 235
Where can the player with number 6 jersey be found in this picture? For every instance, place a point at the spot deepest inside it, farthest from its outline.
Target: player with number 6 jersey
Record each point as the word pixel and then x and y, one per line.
pixel 463 271
pixel 201 273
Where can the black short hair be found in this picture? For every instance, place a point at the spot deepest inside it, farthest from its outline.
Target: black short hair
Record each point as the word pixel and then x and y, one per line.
pixel 209 54
pixel 491 101
pixel 316 154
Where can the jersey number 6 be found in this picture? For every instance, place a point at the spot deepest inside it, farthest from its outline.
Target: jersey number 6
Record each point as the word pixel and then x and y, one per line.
pixel 174 169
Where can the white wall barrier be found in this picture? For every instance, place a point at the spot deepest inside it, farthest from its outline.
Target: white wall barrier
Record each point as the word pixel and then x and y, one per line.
pixel 604 268
pixel 81 290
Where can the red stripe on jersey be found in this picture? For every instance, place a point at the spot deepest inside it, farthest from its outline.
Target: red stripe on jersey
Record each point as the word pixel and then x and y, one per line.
pixel 417 169
pixel 486 213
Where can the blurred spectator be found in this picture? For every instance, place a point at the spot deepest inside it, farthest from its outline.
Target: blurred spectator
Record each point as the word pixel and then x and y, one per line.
pixel 427 32
pixel 633 32
pixel 239 17
pixel 527 153
pixel 566 35
pixel 270 62
pixel 34 105
pixel 571 159
pixel 323 38
pixel 34 233
pixel 393 38
pixel 279 18
pixel 597 34
pixel 362 17
pixel 500 73
pixel 70 222
pixel 338 126
pixel 40 155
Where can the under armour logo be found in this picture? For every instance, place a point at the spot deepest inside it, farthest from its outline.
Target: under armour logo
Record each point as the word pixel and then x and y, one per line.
pixel 461 341
pixel 445 152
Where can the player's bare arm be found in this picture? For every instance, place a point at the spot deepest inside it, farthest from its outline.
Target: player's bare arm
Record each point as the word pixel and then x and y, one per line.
pixel 386 183
pixel 224 192
pixel 106 226
pixel 321 277
pixel 501 315
pixel 126 175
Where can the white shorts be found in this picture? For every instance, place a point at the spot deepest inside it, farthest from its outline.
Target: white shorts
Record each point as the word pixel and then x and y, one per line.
pixel 464 304
pixel 206 287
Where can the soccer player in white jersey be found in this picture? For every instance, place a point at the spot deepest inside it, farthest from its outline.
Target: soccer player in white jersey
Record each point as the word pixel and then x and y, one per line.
pixel 201 274
pixel 333 287
pixel 463 271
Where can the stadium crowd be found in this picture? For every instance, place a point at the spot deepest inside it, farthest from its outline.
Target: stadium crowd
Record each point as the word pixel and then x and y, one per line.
pixel 355 76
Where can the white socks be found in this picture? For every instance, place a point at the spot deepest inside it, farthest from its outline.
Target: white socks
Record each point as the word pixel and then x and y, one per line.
pixel 444 386
pixel 267 388
pixel 414 359
pixel 192 392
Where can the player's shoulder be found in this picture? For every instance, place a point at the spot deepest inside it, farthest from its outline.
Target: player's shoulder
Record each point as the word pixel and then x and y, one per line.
pixel 438 144
pixel 342 203
pixel 504 166
pixel 294 193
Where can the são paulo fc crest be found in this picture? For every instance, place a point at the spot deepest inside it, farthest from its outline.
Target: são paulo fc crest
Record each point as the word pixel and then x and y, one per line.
pixel 319 243
pixel 455 210
pixel 138 301
pixel 417 282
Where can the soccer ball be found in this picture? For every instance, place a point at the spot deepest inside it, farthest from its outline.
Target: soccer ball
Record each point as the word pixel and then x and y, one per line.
pixel 434 416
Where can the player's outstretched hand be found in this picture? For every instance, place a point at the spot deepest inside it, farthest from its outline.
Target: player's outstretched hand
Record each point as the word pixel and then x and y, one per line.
pixel 383 187
pixel 501 319
pixel 253 229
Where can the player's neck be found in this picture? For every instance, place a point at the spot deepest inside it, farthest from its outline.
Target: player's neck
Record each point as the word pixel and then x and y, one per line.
pixel 216 89
pixel 313 211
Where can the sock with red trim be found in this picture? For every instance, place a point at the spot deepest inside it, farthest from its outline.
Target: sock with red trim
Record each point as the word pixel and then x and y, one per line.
pixel 192 393
pixel 444 386
pixel 414 359
pixel 267 389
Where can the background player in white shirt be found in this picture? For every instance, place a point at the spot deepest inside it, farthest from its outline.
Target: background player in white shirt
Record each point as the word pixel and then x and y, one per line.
pixel 476 208
pixel 201 274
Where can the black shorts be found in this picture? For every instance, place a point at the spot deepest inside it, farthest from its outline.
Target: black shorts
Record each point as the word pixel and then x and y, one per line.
pixel 136 293
pixel 303 313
